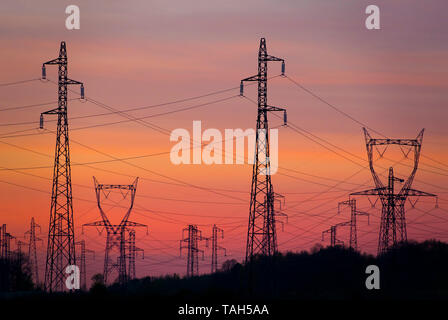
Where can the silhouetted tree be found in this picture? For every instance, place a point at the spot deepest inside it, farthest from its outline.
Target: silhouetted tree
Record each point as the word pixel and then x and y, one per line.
pixel 15 274
pixel 98 286
pixel 228 265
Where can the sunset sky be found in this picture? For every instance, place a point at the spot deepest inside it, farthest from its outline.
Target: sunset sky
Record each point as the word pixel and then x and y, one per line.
pixel 144 53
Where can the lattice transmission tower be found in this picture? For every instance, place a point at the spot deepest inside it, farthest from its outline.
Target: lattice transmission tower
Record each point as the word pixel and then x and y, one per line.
pixel 261 233
pixel 194 235
pixel 132 254
pixel 393 221
pixel 353 221
pixel 6 256
pixel 5 244
pixel 32 251
pixel 334 241
pixel 216 231
pixel 82 260
pixel 117 234
pixel 61 232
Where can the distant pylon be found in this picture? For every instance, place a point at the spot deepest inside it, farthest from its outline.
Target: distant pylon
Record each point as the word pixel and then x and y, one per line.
pixel 215 247
pixel 5 255
pixel 133 251
pixel 117 234
pixel 61 232
pixel 353 225
pixel 82 259
pixel 334 241
pixel 261 233
pixel 393 221
pixel 5 244
pixel 192 240
pixel 131 261
pixel 32 251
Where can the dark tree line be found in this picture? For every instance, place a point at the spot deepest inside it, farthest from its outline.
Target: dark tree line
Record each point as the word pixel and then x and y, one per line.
pixel 15 274
pixel 408 271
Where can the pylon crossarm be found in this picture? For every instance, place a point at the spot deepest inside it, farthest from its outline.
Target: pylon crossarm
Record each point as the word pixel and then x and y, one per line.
pixel 345 203
pixel 55 61
pixel 343 224
pixel 417 142
pixel 418 193
pixel 401 142
pixel 370 192
pixel 272 58
pixel 116 186
pixel 252 78
pixel 70 81
pixel 362 213
pixel 53 111
pixel 137 224
pixel 272 108
pixel 96 224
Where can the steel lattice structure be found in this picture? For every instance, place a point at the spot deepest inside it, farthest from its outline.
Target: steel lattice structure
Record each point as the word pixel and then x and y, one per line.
pixel 353 223
pixel 61 232
pixel 117 234
pixel 192 241
pixel 82 259
pixel 132 254
pixel 393 221
pixel 5 243
pixel 5 255
pixel 32 252
pixel 215 247
pixel 261 233
pixel 334 241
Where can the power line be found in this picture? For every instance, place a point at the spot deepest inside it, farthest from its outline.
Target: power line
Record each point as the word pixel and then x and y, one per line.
pixel 5 84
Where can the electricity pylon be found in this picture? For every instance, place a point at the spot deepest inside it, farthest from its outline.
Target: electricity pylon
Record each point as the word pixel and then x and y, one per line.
pixel 61 232
pixel 192 240
pixel 353 225
pixel 133 251
pixel 82 258
pixel 393 221
pixel 116 233
pixel 5 243
pixel 334 241
pixel 5 255
pixel 32 252
pixel 215 247
pixel 261 233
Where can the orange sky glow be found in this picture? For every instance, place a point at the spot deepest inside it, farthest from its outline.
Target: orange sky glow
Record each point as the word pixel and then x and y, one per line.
pixel 145 53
